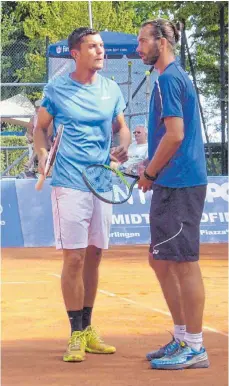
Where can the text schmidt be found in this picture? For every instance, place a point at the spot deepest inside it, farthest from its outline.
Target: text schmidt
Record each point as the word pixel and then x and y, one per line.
pixel 143 218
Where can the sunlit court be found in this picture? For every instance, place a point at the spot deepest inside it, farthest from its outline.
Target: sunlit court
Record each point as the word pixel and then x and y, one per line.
pixel 130 313
pixel 114 193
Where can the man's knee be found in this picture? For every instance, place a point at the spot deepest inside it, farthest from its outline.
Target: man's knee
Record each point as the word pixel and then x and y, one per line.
pixel 92 250
pixel 160 267
pixel 74 260
pixel 186 269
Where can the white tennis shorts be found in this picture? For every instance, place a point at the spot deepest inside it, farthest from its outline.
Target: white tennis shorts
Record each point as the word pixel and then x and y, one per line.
pixel 80 219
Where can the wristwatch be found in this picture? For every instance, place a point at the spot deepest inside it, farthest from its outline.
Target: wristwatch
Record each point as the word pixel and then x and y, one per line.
pixel 151 178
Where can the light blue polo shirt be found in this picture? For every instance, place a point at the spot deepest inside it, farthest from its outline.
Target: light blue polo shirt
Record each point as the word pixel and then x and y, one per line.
pixel 87 112
pixel 174 96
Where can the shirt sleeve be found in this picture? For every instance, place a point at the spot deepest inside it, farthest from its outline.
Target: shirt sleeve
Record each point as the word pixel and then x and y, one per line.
pixel 171 96
pixel 47 100
pixel 120 103
pixel 146 152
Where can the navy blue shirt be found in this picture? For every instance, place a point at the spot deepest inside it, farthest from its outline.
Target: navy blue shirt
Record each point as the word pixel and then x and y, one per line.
pixel 174 96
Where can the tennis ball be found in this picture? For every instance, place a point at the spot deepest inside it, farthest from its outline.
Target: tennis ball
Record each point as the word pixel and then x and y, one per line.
pixel 147 73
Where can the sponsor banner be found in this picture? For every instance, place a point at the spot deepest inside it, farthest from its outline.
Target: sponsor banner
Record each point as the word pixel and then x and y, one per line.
pixel 27 214
pixel 130 223
pixel 214 222
pixel 11 232
pixel 35 213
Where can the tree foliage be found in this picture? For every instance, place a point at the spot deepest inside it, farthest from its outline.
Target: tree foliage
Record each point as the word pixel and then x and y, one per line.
pixel 26 24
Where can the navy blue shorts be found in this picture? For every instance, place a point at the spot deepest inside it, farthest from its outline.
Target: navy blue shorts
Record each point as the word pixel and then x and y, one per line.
pixel 175 216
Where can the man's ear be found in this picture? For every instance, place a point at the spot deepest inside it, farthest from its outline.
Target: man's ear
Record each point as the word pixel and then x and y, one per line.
pixel 74 53
pixel 164 43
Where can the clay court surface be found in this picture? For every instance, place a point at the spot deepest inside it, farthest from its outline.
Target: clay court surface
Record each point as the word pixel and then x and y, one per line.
pixel 130 313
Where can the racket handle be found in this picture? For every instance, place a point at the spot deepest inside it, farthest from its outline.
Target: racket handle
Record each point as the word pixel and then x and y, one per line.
pixel 114 165
pixel 40 182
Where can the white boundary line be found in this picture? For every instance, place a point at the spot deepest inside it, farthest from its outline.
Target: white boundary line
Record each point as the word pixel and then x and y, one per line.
pixel 158 310
pixel 25 282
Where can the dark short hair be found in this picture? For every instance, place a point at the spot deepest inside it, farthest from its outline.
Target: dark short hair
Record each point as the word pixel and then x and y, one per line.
pixel 75 38
pixel 163 28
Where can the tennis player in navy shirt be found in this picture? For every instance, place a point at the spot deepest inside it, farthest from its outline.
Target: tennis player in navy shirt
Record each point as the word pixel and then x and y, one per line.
pixel 177 173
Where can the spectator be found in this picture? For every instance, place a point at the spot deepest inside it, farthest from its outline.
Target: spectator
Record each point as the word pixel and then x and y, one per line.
pixel 31 166
pixel 138 150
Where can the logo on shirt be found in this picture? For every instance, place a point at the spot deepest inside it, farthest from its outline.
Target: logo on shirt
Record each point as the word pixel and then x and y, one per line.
pixel 105 97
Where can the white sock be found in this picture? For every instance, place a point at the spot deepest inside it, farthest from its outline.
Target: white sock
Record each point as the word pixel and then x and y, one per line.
pixel 179 332
pixel 194 340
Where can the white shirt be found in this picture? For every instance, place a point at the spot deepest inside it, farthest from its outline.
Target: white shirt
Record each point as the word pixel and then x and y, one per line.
pixel 136 153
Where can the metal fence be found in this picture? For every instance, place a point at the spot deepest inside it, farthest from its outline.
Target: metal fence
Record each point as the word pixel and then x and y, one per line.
pixel 19 66
pixel 17 78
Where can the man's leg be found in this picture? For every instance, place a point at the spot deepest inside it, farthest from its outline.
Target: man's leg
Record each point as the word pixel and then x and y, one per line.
pixel 73 295
pixel 193 295
pixel 72 211
pixel 90 279
pixel 191 353
pixel 182 248
pixel 167 277
pixel 165 226
pixel 98 239
pixel 72 281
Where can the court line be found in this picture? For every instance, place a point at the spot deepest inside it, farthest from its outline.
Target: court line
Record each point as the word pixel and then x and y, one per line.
pixel 158 310
pixel 25 282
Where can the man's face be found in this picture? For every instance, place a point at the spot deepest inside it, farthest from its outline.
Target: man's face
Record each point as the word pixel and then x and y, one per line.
pixel 148 46
pixel 140 135
pixel 90 54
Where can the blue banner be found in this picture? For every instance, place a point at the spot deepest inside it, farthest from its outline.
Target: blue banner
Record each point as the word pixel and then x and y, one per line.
pixel 11 232
pixel 131 221
pixel 35 213
pixel 214 222
pixel 27 215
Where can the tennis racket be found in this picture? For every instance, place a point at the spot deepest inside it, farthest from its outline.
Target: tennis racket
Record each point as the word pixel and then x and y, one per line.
pixel 51 157
pixel 110 184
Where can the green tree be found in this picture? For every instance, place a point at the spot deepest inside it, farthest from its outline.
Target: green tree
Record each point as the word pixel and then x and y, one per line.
pixel 13 45
pixel 56 20
pixel 34 21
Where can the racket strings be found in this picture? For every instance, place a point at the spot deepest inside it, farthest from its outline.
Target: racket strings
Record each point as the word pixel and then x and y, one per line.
pixel 100 179
pixel 109 184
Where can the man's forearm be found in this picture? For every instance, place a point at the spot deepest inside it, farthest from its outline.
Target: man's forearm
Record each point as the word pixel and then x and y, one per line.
pixel 124 136
pixel 166 149
pixel 40 141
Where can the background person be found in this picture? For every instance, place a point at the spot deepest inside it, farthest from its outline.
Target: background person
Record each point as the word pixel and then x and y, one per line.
pixel 138 150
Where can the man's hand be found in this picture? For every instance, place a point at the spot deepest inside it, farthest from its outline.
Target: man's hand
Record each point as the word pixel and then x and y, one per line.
pixel 140 166
pixel 144 184
pixel 42 161
pixel 119 154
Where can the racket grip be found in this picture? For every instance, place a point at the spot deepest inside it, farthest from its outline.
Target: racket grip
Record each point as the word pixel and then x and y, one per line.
pixel 40 182
pixel 114 165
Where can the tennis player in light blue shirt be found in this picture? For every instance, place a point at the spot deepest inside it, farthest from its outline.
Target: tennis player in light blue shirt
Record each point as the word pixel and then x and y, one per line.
pixel 87 112
pixel 87 104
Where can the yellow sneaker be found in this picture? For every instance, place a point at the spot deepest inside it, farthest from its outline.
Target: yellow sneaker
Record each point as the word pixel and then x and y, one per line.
pixel 94 344
pixel 76 347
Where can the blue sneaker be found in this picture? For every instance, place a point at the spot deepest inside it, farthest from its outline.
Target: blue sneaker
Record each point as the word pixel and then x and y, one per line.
pixel 184 358
pixel 169 349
